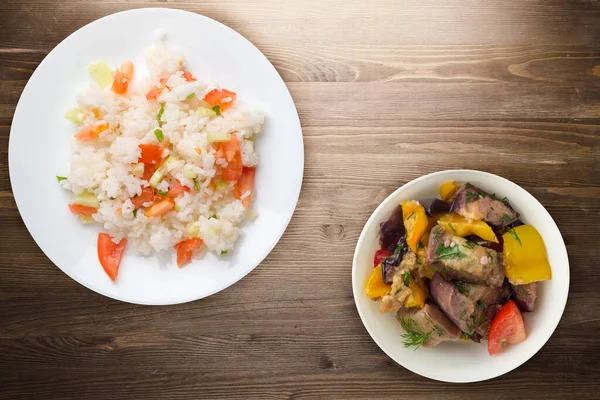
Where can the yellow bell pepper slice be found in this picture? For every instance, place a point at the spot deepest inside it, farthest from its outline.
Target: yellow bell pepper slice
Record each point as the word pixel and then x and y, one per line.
pixel 415 222
pixel 459 226
pixel 375 286
pixel 417 296
pixel 525 255
pixel 448 190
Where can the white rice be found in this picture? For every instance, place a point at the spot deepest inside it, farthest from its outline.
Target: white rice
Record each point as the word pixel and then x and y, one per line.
pixel 104 166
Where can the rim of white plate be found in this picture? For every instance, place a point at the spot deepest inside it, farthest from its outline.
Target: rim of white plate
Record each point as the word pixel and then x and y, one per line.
pixel 141 12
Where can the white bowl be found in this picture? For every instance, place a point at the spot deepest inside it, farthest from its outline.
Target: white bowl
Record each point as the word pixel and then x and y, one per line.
pixel 463 361
pixel 40 138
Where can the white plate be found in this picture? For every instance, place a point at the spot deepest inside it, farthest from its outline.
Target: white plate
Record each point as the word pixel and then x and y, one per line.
pixel 40 138
pixel 464 361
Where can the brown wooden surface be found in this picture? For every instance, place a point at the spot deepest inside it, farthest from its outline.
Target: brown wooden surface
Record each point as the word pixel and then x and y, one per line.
pixel 387 90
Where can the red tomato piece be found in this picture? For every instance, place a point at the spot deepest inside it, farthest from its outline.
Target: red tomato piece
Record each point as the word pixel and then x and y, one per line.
pixel 188 76
pixel 122 78
pixel 185 249
pixel 233 155
pixel 151 154
pixel 156 91
pixel 245 184
pixel 380 255
pixel 222 98
pixel 110 253
pixel 146 196
pixel 82 210
pixel 177 190
pixel 507 328
pixel 149 170
pixel 91 132
pixel 161 207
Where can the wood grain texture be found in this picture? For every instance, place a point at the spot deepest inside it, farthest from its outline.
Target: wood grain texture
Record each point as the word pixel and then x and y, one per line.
pixel 387 91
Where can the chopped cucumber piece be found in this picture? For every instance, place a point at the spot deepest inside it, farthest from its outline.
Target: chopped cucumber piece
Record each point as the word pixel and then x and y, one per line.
pixel 168 165
pixel 138 170
pixel 75 116
pixel 87 199
pixel 217 110
pixel 222 185
pixel 188 172
pixel 101 73
pixel 223 252
pixel 190 96
pixel 218 137
pixel 205 112
pixel 193 230
pixel 159 134
pixel 161 111
pixel 212 231
pixel 86 219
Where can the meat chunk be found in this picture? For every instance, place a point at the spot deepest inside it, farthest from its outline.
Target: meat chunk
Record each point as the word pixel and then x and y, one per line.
pixel 432 321
pixel 461 259
pixel 476 204
pixel 470 307
pixel 395 300
pixel 525 295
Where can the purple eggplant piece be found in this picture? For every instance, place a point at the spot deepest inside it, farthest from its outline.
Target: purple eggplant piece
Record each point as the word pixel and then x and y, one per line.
pixel 486 294
pixel 392 230
pixel 458 258
pixel 476 204
pixel 525 295
pixel 457 307
pixel 499 247
pixel 431 319
pixel 436 206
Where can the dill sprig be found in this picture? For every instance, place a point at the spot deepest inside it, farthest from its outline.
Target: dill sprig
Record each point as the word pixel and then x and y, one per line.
pixel 514 235
pixel 414 335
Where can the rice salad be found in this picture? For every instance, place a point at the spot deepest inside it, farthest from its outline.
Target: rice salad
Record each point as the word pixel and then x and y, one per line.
pixel 161 160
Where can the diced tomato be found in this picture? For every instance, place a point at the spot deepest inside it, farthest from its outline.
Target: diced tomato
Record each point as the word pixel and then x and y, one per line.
pixel 507 328
pixel 233 155
pixel 119 212
pixel 146 196
pixel 160 208
pixel 151 154
pixel 177 190
pixel 156 91
pixel 149 170
pixel 185 249
pixel 222 98
pixel 245 184
pixel 380 255
pixel 110 253
pixel 188 76
pixel 91 132
pixel 122 78
pixel 82 210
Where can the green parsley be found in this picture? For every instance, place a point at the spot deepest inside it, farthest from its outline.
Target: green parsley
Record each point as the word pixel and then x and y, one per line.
pixel 134 213
pixel 223 252
pixel 161 111
pixel 461 287
pixel 190 96
pixel 159 134
pixel 471 195
pixel 162 192
pixel 468 245
pixel 513 233
pixel 398 249
pixel 217 110
pixel 414 335
pixel 406 279
pixel 448 252
pixel 504 200
pixel 196 184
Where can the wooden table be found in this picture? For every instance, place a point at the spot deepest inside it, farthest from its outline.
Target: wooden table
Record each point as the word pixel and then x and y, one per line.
pixel 387 90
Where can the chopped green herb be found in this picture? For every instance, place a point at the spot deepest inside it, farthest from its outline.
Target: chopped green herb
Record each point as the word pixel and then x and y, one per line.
pixel 162 192
pixel 213 216
pixel 460 285
pixel 398 249
pixel 481 305
pixel 61 178
pixel 406 279
pixel 468 245
pixel 513 233
pixel 134 213
pixel 159 134
pixel 190 96
pixel 196 184
pixel 436 328
pixel 448 252
pixel 223 252
pixel 414 335
pixel 420 245
pixel 471 195
pixel 412 215
pixel 217 109
pixel 462 314
pixel 506 218
pixel 489 254
pixel 161 111
pixel 451 227
pixel 504 200
pixel 397 291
